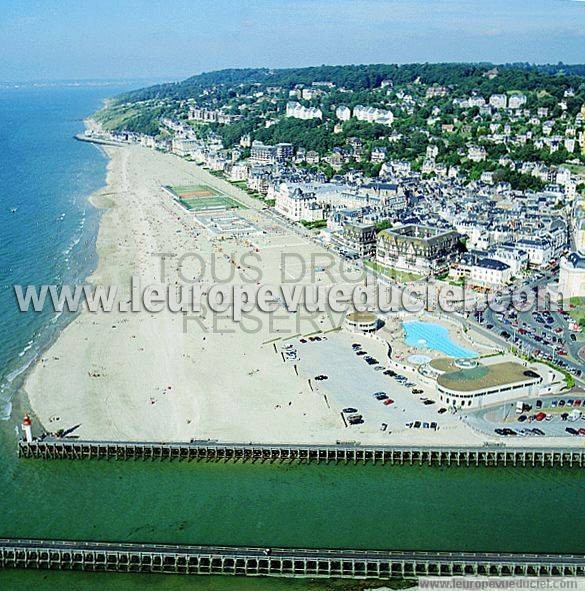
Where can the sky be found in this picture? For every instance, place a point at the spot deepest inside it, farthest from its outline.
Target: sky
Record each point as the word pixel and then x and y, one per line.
pixel 171 40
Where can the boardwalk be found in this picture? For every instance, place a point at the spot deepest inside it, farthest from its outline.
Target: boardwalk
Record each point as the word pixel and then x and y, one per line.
pixel 248 561
pixel 53 449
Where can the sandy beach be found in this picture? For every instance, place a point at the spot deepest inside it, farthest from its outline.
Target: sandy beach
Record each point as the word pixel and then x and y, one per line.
pixel 175 377
pixel 153 376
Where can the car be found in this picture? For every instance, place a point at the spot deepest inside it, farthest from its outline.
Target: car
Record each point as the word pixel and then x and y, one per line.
pixel 355 419
pixel 388 401
pixel 489 326
pixel 380 395
pixel 349 410
pixel 539 404
pixel 577 402
pixel 356 346
pixel 561 403
pixel 571 431
pixel 416 424
pixel 573 336
pixel 434 425
pixel 428 402
pixel 389 372
pixel 303 341
pixel 582 432
pixel 321 377
pixel 442 410
pixel 499 431
pixel 409 384
pixel 522 418
pixel 538 432
pixel 360 353
pixel 417 391
pixel 540 416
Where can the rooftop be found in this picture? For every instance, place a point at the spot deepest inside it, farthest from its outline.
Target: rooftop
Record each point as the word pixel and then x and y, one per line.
pixel 486 376
pixel 361 317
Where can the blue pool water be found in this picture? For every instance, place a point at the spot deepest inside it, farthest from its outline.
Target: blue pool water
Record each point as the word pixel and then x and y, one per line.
pixel 427 335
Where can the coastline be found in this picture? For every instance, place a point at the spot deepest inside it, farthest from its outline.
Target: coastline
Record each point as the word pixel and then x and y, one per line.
pixel 20 401
pixel 141 376
pixel 89 389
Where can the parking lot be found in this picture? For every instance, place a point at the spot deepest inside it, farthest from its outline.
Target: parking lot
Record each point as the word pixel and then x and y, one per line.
pixel 551 416
pixel 355 388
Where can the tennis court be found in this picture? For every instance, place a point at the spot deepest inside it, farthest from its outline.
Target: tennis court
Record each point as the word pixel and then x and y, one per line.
pixel 201 198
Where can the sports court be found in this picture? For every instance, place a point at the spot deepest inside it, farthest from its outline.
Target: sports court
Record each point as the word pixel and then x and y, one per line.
pixel 201 198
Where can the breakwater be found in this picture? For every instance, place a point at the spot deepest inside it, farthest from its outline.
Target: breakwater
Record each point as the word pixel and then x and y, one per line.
pixel 299 562
pixel 54 449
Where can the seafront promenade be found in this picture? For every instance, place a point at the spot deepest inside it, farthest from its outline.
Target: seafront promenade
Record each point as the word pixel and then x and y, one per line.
pixel 72 449
pixel 281 562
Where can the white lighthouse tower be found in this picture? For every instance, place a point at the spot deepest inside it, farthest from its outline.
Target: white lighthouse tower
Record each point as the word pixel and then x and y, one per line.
pixel 27 428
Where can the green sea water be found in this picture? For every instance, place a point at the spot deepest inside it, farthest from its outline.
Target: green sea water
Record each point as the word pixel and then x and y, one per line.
pixel 351 506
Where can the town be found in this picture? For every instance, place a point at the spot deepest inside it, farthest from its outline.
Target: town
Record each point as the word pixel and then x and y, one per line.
pixel 471 181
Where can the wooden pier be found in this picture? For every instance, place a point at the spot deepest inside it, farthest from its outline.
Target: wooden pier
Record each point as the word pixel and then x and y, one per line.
pixel 280 562
pixel 210 451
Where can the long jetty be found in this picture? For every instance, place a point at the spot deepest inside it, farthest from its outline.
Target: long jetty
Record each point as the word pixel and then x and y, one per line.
pixel 75 449
pixel 281 562
pixel 97 140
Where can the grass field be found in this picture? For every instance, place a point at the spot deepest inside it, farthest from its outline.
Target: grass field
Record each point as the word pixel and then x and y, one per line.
pixel 206 203
pixel 202 198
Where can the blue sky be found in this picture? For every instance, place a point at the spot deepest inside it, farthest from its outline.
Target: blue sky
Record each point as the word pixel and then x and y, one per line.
pixel 73 39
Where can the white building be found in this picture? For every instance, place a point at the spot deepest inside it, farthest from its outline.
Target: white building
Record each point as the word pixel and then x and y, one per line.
pixel 516 101
pixel 373 115
pixel 476 153
pixel 540 252
pixel 572 276
pixel 297 111
pixel 297 203
pixel 467 383
pixel 499 101
pixel 238 172
pixel 515 258
pixel 378 155
pixel 482 271
pixel 343 113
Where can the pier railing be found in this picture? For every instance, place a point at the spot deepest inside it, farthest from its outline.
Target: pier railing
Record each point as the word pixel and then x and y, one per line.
pixel 73 449
pixel 282 562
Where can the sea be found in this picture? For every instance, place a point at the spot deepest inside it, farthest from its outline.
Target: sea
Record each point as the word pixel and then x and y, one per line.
pixel 47 235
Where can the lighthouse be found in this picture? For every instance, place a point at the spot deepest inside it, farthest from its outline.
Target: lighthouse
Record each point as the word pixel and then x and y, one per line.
pixel 27 428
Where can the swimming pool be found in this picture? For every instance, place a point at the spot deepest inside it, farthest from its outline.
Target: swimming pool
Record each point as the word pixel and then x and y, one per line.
pixel 427 335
